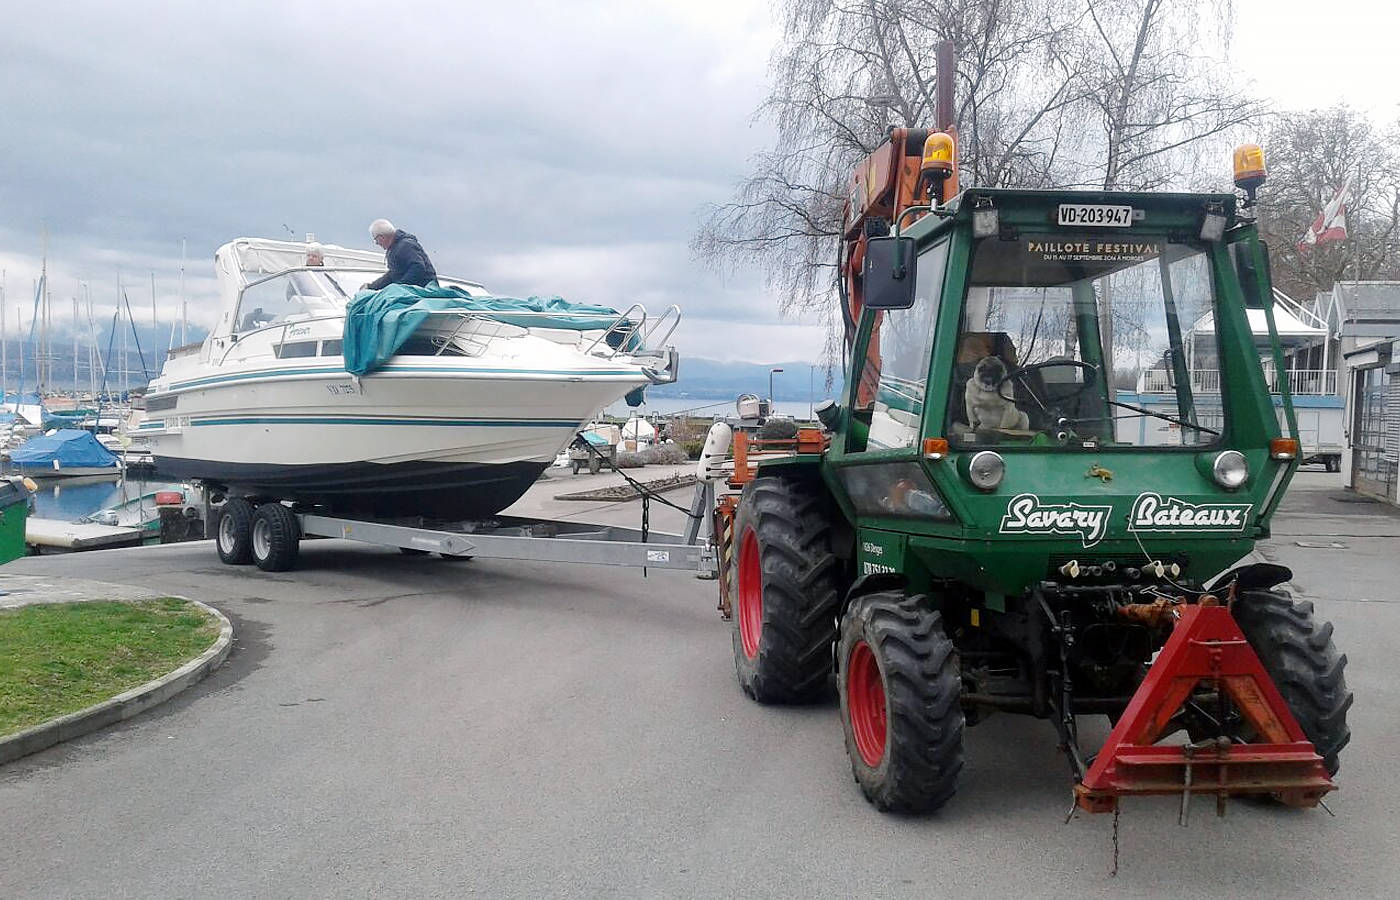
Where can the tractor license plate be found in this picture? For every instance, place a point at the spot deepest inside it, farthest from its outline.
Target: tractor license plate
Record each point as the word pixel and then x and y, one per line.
pixel 1092 214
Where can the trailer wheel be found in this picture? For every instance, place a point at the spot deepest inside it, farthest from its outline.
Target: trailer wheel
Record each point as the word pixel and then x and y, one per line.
pixel 1333 464
pixel 901 688
pixel 276 538
pixel 1298 653
pixel 233 536
pixel 595 465
pixel 784 578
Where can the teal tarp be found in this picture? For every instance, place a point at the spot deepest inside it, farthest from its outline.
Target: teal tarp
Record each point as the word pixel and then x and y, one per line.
pixel 378 323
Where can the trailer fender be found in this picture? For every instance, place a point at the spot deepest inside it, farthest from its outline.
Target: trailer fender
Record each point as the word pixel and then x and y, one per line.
pixel 1254 577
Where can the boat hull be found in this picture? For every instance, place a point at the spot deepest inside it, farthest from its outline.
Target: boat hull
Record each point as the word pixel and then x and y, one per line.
pixel 435 490
pixel 445 445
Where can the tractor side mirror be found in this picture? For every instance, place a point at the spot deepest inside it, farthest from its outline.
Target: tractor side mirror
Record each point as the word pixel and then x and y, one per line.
pixel 889 273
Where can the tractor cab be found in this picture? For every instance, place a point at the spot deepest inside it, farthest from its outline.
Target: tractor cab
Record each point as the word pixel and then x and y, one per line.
pixel 1000 347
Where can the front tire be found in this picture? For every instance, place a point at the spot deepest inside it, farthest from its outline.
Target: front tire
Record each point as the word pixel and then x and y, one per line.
pixel 900 684
pixel 276 538
pixel 233 534
pixel 1298 653
pixel 784 580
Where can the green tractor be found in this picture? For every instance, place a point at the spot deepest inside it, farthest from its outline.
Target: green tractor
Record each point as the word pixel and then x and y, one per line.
pixel 997 518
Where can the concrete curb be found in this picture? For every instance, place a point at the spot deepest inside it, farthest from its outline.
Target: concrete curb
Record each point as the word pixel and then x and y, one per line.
pixel 124 705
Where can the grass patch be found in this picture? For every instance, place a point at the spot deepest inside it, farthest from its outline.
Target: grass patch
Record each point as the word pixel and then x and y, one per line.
pixel 58 658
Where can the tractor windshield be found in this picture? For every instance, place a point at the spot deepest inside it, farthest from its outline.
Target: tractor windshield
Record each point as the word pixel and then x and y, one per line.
pixel 1060 332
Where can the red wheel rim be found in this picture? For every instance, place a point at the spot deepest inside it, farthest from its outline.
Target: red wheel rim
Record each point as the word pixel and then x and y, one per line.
pixel 750 595
pixel 865 704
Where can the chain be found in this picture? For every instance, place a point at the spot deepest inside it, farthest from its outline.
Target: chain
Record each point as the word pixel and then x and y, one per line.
pixel 1113 873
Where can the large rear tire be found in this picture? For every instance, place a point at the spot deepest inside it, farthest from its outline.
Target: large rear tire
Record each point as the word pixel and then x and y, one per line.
pixel 276 538
pixel 784 582
pixel 233 535
pixel 1298 653
pixel 900 684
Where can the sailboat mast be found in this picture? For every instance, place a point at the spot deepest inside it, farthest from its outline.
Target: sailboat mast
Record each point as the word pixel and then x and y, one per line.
pixel 94 352
pixel 4 343
pixel 43 318
pixel 184 312
pixel 75 345
pixel 45 342
pixel 116 323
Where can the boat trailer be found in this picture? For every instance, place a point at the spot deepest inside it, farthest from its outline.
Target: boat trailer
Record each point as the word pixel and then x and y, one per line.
pixel 272 531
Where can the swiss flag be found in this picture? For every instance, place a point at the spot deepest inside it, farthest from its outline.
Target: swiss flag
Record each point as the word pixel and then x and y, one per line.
pixel 1331 223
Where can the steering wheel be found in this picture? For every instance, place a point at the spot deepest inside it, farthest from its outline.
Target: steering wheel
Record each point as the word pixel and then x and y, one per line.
pixel 1090 378
pixel 1061 428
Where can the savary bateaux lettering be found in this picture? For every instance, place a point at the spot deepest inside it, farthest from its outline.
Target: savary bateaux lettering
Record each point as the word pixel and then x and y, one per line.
pixel 1152 513
pixel 1025 514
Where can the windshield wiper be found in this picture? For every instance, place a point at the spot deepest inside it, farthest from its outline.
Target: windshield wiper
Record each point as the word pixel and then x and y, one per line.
pixel 1158 415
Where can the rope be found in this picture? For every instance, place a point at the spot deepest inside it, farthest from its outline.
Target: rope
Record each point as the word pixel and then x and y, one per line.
pixel 646 493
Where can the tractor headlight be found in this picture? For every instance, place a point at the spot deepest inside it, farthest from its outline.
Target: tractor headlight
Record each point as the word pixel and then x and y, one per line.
pixel 985 470
pixel 1230 469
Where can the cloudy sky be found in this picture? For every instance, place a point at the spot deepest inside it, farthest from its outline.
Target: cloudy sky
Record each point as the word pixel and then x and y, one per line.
pixel 538 147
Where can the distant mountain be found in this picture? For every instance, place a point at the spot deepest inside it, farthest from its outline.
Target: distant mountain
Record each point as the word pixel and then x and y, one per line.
pixel 712 379
pixel 147 346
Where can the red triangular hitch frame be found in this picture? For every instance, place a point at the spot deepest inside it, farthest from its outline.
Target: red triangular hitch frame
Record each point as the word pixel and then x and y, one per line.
pixel 1206 644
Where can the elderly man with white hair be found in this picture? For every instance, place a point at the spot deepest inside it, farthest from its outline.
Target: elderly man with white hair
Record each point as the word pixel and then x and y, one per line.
pixel 408 263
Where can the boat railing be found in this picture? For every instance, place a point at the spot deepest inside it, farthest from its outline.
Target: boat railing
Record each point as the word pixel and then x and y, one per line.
pixel 649 337
pixel 626 326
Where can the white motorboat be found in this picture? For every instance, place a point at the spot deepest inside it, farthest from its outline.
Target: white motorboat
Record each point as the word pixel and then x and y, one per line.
pixel 457 424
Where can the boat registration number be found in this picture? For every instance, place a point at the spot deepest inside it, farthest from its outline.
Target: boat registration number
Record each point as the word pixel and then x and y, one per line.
pixel 1094 214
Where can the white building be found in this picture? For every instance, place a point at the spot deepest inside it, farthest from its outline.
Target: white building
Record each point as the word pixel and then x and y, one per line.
pixel 1373 419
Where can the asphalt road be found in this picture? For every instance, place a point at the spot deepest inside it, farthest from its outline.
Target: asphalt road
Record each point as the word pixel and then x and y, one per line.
pixel 406 726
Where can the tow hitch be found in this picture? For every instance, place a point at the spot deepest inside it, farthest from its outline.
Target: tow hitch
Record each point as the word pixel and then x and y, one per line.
pixel 1207 646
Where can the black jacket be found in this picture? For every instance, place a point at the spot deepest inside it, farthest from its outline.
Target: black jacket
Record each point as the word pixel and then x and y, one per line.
pixel 408 263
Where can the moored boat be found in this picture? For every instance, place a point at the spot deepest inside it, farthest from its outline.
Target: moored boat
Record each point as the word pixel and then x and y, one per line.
pixel 64 453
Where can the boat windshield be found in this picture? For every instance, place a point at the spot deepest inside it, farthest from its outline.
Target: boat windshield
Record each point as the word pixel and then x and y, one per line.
pixel 295 296
pixel 1059 331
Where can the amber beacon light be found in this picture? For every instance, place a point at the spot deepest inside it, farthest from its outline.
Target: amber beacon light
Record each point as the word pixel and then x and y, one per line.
pixel 938 163
pixel 1249 169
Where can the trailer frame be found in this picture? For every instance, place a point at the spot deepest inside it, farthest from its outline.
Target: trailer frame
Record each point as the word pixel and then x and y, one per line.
pixel 514 537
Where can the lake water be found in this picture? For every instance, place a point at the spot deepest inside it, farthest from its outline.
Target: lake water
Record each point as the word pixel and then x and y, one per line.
pixel 68 499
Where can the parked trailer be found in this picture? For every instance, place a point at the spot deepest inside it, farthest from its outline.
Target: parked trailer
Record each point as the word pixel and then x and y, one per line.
pixel 1319 430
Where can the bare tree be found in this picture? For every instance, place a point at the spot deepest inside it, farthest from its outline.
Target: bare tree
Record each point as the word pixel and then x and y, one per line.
pixel 1109 93
pixel 1158 90
pixel 1311 155
pixel 847 70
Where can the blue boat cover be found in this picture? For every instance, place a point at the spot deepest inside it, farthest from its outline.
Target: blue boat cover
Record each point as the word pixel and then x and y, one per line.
pixel 378 323
pixel 72 448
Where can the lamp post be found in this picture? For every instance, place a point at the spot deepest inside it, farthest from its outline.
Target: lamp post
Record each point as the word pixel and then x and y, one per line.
pixel 771 373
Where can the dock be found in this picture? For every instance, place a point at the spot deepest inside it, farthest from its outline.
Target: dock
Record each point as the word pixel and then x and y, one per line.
pixel 57 536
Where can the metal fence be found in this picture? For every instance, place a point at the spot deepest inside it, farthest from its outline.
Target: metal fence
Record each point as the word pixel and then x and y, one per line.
pixel 1308 382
